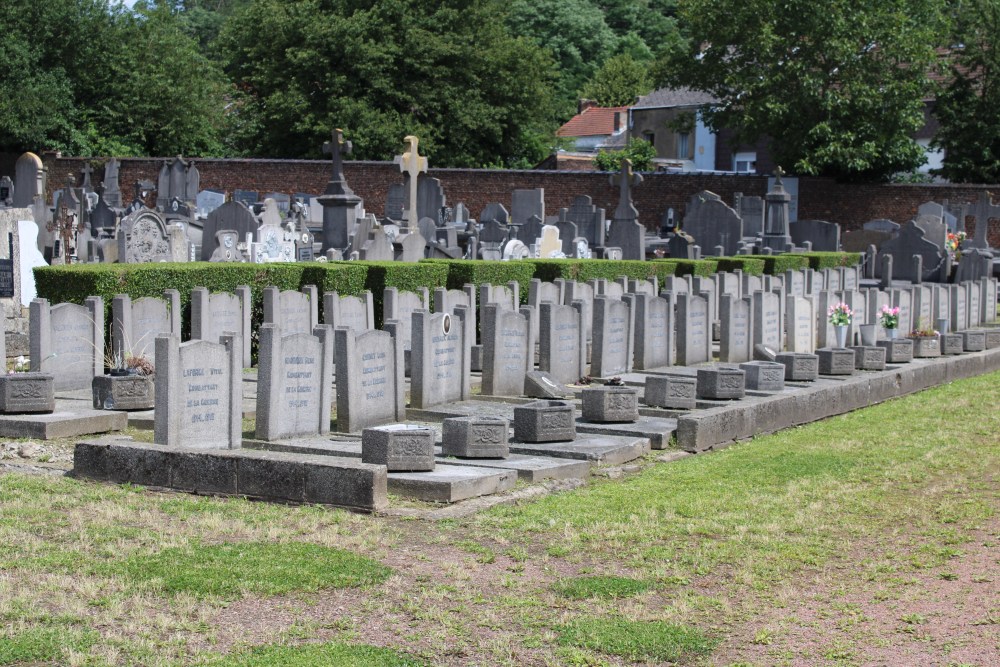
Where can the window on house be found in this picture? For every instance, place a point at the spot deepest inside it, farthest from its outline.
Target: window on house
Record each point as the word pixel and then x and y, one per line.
pixel 745 163
pixel 684 145
pixel 650 137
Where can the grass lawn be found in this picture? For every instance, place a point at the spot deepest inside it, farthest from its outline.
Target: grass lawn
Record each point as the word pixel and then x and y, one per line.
pixel 872 537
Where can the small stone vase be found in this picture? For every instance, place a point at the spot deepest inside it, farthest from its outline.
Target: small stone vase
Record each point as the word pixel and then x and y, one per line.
pixel 841 331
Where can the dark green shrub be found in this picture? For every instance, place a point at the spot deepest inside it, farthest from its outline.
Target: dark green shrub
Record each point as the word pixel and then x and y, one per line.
pixel 481 272
pixel 404 276
pixel 831 260
pixel 775 265
pixel 750 265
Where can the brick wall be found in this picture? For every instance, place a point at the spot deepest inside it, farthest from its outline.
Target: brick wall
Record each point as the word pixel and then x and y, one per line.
pixel 851 205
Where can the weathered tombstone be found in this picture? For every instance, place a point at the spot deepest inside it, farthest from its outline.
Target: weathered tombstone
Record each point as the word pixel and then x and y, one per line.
pixel 584 293
pixel 711 222
pixel 800 324
pixel 589 219
pixel 178 180
pixel 903 299
pixel 212 315
pixel 398 306
pixel 294 383
pixel 506 297
pixel 135 325
pixel 207 201
pixel 357 313
pixel 143 238
pixel 67 341
pixel 568 233
pixel 736 327
pixel 29 180
pixel 549 244
pixel 199 395
pixel 912 240
pixel 959 320
pixel 751 211
pixel 613 343
pixel 441 358
pixel 858 240
pixel 294 312
pixel 654 327
pixel 824 236
pixel 507 350
pixel 562 345
pixel 694 340
pixel 369 379
pixel 445 300
pixel 246 197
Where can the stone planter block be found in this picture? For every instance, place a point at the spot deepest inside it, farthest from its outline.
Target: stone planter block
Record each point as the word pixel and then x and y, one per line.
pixel 399 447
pixel 23 393
pixel 610 404
pixel 799 366
pixel 869 358
pixel 992 338
pixel 897 351
pixel 764 375
pixel 475 437
pixel 721 383
pixel 926 346
pixel 544 421
pixel 678 392
pixel 951 343
pixel 835 361
pixel 127 392
pixel 974 340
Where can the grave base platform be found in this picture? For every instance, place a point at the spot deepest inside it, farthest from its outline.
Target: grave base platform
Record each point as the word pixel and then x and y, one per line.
pixel 278 476
pixel 658 430
pixel 605 450
pixel 529 468
pixel 63 423
pixel 451 483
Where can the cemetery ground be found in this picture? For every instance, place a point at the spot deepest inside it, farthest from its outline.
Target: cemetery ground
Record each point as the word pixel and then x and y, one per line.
pixel 868 538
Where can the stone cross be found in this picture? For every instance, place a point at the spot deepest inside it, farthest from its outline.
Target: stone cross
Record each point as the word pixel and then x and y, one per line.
pixel 625 180
pixel 983 210
pixel 336 148
pixel 86 171
pixel 412 164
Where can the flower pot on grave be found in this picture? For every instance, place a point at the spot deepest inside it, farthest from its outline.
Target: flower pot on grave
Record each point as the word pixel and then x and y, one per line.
pixel 841 331
pixel 23 393
pixel 868 334
pixel 610 404
pixel 123 392
pixel 892 333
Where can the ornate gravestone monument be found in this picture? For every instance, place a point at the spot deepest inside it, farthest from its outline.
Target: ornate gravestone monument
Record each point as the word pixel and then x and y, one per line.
pixel 338 200
pixel 625 231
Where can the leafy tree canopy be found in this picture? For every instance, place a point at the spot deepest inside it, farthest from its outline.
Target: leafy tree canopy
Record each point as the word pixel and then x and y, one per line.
pixel 969 107
pixel 839 89
pixel 639 151
pixel 619 81
pixel 448 72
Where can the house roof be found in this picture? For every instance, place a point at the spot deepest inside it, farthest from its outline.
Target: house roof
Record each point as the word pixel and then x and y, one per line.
pixel 593 121
pixel 674 97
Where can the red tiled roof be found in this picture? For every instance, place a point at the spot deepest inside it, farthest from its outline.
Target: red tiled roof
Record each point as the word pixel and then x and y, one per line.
pixel 593 121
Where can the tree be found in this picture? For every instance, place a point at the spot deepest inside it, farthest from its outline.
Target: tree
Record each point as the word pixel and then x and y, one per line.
pixel 618 82
pixel 448 72
pixel 639 151
pixel 969 108
pixel 838 90
pixel 576 34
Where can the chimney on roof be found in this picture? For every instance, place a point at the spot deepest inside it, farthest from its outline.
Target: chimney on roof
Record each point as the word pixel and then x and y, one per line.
pixel 584 105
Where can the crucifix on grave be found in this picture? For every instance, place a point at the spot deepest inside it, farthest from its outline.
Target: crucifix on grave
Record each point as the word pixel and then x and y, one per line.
pixel 625 180
pixel 336 149
pixel 339 202
pixel 983 210
pixel 64 225
pixel 412 164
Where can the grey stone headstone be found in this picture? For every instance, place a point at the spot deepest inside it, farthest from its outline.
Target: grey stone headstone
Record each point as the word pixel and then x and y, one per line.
pixel 654 327
pixel 562 343
pixel 590 220
pixel 494 212
pixel 526 204
pixel 142 238
pixel 357 313
pixel 233 216
pixel 959 320
pixel 800 324
pixel 369 379
pixel 694 340
pixel 711 222
pixel 378 248
pixel 214 314
pixel 507 350
pixel 440 360
pixel 445 300
pixel 395 201
pixel 294 383
pixel 751 211
pixel 246 197
pixel 67 341
pixel 135 325
pixel 539 384
pixel 29 180
pixel 294 312
pixel 209 200
pixel 767 324
pixel 824 236
pixel 736 327
pixel 613 343
pixel 629 235
pixel 584 293
pixel 912 240
pixel 199 395
pixel 400 306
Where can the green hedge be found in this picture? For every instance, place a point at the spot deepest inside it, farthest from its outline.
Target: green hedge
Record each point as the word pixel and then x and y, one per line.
pixel 776 265
pixel 483 272
pixel 404 276
pixel 749 264
pixel 831 260
pixel 589 269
